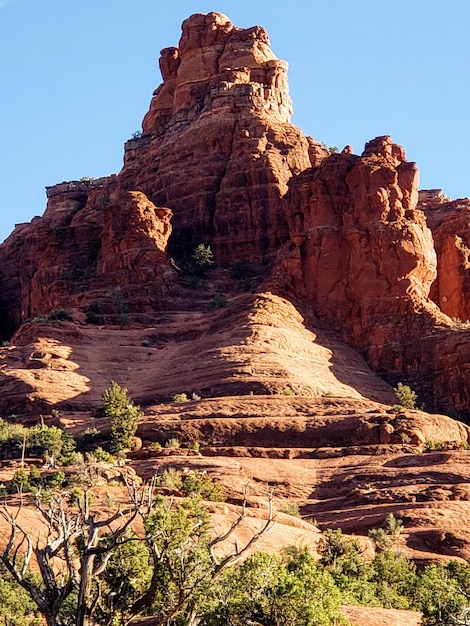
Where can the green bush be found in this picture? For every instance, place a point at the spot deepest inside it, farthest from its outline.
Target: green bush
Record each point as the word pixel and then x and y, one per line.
pixel 180 398
pixel 93 314
pixel 50 441
pixel 406 396
pixel 290 509
pixel 173 444
pixel 202 259
pixel 59 314
pixel 124 414
pixel 171 478
pixel 201 483
pixel 19 483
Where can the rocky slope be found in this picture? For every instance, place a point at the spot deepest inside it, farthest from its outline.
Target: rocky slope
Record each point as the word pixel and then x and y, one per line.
pixel 352 285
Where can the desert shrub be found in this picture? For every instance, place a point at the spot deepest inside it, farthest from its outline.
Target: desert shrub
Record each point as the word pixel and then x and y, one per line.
pixel 19 483
pixel 171 478
pixel 93 314
pixel 124 414
pixel 50 441
pixel 89 437
pixel 290 508
pixel 290 589
pixel 103 456
pixel 435 446
pixel 202 484
pixel 218 301
pixel 180 397
pixel 34 476
pixel 12 437
pixel 16 607
pixel 57 480
pixel 202 259
pixel 173 443
pixel 59 314
pixel 406 396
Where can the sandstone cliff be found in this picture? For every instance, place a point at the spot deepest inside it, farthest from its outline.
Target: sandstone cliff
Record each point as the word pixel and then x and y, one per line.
pixel 219 162
pixel 353 286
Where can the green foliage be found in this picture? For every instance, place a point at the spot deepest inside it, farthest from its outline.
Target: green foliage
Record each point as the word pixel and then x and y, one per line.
pixel 59 314
pixel 16 607
pixel 12 437
pixel 34 477
pixel 180 397
pixel 406 396
pixel 394 577
pixel 287 391
pixel 125 416
pixel 435 446
pixel 128 573
pixel 171 478
pixel 93 314
pixel 57 480
pixel 103 455
pixel 439 596
pixel 202 484
pixel 173 444
pixel 182 567
pixel 19 483
pixel 50 441
pixel 202 259
pixel 384 538
pixel 290 589
pixel 55 315
pixel 290 509
pixel 89 436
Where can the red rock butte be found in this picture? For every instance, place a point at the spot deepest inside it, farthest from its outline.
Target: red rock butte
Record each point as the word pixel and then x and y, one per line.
pixel 219 162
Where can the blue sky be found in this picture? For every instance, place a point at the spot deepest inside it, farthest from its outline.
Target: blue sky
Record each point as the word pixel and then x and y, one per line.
pixel 77 79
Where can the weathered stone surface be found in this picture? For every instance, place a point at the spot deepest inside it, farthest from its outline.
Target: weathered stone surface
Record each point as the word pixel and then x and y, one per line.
pixel 362 254
pixel 450 226
pixel 90 240
pixel 221 117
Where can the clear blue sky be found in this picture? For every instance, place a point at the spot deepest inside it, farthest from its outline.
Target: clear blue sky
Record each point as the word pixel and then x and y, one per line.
pixel 77 78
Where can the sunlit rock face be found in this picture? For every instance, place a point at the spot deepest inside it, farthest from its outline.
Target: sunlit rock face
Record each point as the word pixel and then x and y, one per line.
pixel 217 146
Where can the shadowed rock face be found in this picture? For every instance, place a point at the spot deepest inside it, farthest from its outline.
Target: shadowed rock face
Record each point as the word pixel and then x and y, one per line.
pixel 87 242
pixel 450 225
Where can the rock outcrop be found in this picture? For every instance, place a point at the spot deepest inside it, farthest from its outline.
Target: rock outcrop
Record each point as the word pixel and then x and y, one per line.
pixel 222 118
pixel 91 239
pixel 450 226
pixel 220 163
pixel 362 253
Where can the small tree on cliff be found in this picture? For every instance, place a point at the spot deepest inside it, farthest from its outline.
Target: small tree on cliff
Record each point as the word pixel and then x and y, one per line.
pixel 405 396
pixel 124 414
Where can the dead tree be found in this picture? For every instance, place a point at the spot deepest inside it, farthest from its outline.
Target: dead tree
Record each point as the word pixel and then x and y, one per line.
pixel 73 553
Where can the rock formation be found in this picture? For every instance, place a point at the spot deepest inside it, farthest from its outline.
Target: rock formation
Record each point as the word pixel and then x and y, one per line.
pixel 350 276
pixel 91 239
pixel 220 163
pixel 450 225
pixel 221 117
